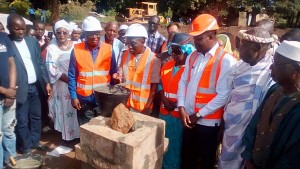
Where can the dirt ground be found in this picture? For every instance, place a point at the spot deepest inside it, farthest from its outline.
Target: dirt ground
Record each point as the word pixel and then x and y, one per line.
pixel 52 139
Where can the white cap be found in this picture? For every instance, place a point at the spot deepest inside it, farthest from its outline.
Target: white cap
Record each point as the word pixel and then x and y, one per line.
pixel 91 23
pixel 74 26
pixel 136 30
pixel 290 49
pixel 125 27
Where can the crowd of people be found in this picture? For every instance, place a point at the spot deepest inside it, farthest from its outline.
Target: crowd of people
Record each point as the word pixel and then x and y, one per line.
pixel 210 87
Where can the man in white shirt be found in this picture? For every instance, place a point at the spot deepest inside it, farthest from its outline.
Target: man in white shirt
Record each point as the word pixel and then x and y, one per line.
pixel 33 81
pixel 202 93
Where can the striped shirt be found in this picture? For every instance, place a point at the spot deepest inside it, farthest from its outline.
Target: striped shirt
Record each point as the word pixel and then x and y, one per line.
pixel 155 41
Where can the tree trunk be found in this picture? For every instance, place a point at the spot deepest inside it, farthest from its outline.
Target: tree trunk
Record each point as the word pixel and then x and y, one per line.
pixel 55 10
pixel 297 24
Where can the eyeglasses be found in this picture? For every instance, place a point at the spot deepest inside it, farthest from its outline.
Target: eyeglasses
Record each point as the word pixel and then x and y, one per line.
pixel 62 32
pixel 93 35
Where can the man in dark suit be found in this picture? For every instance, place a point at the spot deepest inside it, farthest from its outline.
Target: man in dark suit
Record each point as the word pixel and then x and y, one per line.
pixel 32 80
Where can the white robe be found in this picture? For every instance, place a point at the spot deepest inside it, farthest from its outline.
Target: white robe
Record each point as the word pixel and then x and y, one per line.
pixel 249 86
pixel 60 108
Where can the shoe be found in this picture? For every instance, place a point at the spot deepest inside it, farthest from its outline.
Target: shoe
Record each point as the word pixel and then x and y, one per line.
pixel 40 147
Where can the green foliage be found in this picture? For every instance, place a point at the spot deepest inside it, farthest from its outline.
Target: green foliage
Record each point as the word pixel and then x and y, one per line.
pixel 75 10
pixel 111 12
pixel 21 6
pixel 4 6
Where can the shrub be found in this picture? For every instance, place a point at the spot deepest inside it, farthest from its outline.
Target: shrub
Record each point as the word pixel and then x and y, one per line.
pixel 21 6
pixel 4 8
pixel 76 11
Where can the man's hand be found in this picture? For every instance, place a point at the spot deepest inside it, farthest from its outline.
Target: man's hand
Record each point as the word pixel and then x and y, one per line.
pixel 116 78
pixel 184 117
pixel 10 93
pixel 49 90
pixel 193 119
pixel 166 103
pixel 8 102
pixel 76 104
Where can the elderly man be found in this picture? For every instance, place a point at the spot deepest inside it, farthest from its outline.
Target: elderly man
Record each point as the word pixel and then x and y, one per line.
pixel 92 64
pixel 140 70
pixel 202 93
pixel 8 90
pixel 110 37
pixel 250 80
pixel 272 138
pixel 155 39
pixel 33 81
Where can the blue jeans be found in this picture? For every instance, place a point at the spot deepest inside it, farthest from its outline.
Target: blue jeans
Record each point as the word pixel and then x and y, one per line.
pixel 28 129
pixel 7 135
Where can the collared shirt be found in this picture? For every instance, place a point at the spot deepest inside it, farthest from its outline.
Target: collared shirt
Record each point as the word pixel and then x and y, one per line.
pixel 117 46
pixel 26 57
pixel 73 74
pixel 155 41
pixel 187 90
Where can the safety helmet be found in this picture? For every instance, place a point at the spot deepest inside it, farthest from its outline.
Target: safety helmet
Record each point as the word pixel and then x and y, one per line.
pixel 136 30
pixel 203 23
pixel 91 23
pixel 123 27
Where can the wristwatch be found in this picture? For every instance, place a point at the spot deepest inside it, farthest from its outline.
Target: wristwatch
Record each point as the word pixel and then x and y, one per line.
pixel 199 115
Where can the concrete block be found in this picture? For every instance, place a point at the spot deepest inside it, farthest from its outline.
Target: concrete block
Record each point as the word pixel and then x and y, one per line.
pixel 103 147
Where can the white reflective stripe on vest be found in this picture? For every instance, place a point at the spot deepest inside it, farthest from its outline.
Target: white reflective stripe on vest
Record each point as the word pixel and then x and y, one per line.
pixel 90 87
pixel 94 73
pixel 200 105
pixel 125 71
pixel 137 84
pixel 206 90
pixel 135 97
pixel 147 69
pixel 213 73
pixel 170 95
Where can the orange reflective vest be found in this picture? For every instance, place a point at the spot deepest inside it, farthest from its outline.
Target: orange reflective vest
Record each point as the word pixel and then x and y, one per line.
pixel 170 86
pixel 138 77
pixel 206 90
pixel 92 74
pixel 164 47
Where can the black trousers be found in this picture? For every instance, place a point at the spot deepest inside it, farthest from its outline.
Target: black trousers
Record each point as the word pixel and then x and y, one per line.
pixel 199 147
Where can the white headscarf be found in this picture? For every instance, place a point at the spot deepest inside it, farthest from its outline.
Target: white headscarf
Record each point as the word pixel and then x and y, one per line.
pixel 62 24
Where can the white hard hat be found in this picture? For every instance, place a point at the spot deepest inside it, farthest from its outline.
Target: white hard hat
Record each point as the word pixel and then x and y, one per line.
pixel 136 30
pixel 125 27
pixel 91 23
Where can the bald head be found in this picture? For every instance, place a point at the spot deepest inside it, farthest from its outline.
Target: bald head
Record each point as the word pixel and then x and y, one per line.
pixel 16 26
pixel 13 18
pixel 111 31
pixel 292 35
pixel 266 24
pixel 111 24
